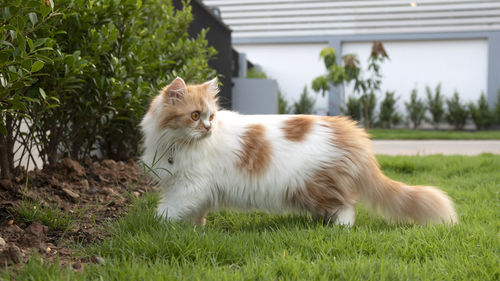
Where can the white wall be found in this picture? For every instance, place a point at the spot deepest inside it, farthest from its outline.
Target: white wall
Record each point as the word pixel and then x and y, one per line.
pixel 292 65
pixel 457 64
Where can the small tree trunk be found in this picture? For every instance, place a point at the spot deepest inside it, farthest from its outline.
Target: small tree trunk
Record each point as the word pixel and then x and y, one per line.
pixel 10 149
pixel 7 151
pixel 367 118
pixel 53 144
pixel 4 160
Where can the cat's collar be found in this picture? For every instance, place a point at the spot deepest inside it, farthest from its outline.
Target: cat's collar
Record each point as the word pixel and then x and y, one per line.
pixel 170 155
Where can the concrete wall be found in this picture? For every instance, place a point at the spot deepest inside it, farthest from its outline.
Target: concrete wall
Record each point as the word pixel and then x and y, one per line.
pixel 460 65
pixel 255 96
pixel 292 65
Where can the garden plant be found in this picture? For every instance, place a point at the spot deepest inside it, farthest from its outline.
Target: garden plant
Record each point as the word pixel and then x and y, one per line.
pixel 305 105
pixel 78 74
pixel 416 109
pixel 457 113
pixel 389 116
pixel 435 105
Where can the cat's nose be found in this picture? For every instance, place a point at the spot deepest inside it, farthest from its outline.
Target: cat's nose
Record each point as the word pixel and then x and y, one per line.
pixel 207 125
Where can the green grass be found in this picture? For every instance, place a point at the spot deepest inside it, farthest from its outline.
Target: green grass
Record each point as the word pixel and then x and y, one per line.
pixel 52 216
pixel 259 246
pixel 406 134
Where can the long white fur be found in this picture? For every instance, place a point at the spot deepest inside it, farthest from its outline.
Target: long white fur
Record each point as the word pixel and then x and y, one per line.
pixel 207 175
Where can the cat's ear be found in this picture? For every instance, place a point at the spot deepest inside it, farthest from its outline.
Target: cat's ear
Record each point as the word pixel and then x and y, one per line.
pixel 175 91
pixel 211 87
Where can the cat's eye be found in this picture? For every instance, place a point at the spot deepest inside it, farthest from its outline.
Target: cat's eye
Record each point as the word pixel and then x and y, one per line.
pixel 211 117
pixel 195 115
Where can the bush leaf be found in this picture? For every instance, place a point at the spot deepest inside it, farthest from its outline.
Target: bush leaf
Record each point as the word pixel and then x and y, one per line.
pixel 42 93
pixel 37 66
pixel 33 18
pixel 3 42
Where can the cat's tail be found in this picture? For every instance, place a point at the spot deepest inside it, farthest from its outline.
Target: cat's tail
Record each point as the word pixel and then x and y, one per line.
pixel 404 203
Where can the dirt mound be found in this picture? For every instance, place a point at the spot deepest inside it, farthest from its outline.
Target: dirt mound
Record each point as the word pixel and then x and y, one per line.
pixel 87 195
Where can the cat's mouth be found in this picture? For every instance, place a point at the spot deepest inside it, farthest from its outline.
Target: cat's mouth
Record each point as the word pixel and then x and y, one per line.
pixel 206 134
pixel 202 135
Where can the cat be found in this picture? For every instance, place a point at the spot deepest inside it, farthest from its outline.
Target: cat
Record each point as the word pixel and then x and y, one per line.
pixel 205 159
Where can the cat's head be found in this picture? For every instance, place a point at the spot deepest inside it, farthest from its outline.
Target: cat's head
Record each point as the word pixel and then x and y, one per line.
pixel 190 110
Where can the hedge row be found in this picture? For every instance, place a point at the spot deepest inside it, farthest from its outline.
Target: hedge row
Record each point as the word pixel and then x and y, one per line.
pixel 434 109
pixel 80 73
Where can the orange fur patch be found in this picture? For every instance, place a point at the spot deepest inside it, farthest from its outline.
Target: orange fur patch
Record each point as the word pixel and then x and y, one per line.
pixel 359 160
pixel 323 194
pixel 297 127
pixel 346 134
pixel 335 185
pixel 256 152
pixel 357 172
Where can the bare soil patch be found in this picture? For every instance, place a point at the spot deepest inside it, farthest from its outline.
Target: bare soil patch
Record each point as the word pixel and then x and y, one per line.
pixel 92 194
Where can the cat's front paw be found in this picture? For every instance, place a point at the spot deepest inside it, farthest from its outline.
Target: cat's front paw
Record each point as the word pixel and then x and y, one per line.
pixel 167 213
pixel 200 221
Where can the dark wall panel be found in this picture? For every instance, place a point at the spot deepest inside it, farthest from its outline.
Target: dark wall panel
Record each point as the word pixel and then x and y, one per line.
pixel 218 36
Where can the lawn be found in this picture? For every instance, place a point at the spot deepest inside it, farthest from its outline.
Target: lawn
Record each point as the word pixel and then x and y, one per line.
pixel 259 246
pixel 407 134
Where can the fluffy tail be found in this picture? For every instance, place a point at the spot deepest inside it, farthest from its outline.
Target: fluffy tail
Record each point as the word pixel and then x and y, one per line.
pixel 404 203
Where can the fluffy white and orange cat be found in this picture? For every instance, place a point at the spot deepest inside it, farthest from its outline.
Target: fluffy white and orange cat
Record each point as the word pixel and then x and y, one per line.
pixel 208 159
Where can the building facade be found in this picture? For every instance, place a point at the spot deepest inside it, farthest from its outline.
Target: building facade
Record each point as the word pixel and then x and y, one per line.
pixel 455 43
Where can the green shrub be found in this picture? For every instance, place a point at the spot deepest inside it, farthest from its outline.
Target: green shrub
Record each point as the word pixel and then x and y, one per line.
pixel 416 109
pixel 353 108
pixel 389 116
pixel 336 74
pixel 435 105
pixel 457 112
pixel 496 110
pixel 360 108
pixel 368 104
pixel 305 105
pixel 103 60
pixel 283 106
pixel 368 87
pixel 136 49
pixel 481 114
pixel 26 56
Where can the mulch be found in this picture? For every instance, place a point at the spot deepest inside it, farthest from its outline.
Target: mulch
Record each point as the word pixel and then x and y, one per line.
pixel 96 192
